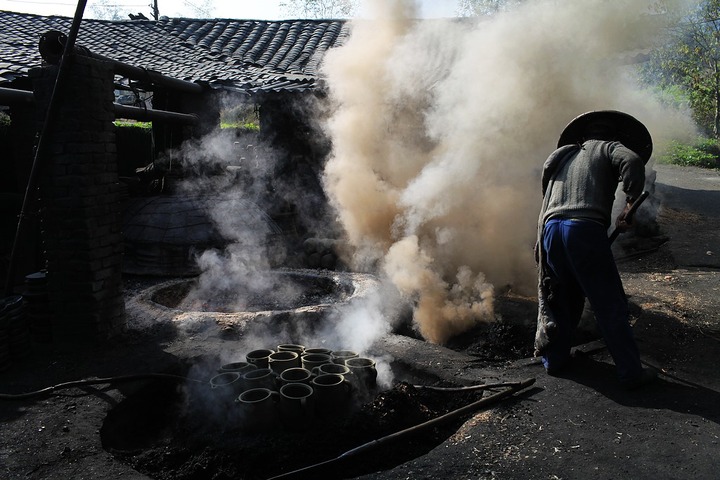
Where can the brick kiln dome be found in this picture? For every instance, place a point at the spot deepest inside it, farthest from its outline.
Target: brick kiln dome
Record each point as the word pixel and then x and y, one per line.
pixel 162 234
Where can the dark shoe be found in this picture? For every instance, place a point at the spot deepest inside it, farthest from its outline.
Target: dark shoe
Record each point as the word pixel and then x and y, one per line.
pixel 564 365
pixel 556 367
pixel 645 377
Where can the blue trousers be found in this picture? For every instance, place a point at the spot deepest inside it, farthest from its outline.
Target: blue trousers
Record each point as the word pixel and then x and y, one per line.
pixel 578 255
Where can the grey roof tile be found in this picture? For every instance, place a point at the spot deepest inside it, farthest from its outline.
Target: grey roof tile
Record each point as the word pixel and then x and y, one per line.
pixel 245 55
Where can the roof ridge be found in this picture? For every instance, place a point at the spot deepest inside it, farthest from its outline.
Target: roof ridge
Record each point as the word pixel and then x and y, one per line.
pixel 249 55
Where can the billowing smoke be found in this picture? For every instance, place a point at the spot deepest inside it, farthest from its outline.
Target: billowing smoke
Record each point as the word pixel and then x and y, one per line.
pixel 440 128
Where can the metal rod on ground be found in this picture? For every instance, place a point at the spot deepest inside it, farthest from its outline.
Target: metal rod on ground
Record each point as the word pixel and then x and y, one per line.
pixel 631 212
pixel 665 373
pixel 43 141
pixel 483 386
pixel 514 388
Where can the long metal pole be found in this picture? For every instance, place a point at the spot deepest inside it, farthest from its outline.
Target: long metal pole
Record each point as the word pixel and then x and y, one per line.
pixel 48 125
pixel 374 444
pixel 11 96
pixel 149 114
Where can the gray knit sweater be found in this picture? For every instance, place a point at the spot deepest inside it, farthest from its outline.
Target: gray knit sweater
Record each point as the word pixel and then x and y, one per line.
pixel 584 186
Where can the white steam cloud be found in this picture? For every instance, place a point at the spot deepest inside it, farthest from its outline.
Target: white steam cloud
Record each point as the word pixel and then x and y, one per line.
pixel 440 128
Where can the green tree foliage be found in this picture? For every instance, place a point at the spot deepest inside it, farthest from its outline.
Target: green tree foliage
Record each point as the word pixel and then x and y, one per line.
pixel 704 153
pixel 319 8
pixel 691 60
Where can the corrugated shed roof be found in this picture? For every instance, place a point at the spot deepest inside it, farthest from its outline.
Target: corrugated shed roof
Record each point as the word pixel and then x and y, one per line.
pixel 247 55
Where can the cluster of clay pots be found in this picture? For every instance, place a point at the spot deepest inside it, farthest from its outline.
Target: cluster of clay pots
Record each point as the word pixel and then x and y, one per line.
pixel 292 386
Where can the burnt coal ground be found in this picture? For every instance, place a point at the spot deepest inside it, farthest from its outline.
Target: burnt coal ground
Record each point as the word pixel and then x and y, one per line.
pixel 154 432
pixel 170 432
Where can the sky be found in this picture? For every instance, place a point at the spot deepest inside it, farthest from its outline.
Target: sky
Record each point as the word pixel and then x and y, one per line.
pixel 238 9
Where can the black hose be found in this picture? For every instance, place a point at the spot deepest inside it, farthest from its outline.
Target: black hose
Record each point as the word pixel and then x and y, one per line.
pixel 95 381
pixel 514 388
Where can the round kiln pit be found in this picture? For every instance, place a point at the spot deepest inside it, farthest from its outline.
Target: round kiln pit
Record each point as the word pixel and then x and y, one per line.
pixel 292 298
pixel 166 431
pixel 285 291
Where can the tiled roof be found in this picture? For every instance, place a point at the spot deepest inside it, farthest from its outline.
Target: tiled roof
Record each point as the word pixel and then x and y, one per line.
pixel 247 55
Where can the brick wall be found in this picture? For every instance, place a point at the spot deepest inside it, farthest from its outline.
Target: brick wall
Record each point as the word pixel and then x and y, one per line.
pixel 80 206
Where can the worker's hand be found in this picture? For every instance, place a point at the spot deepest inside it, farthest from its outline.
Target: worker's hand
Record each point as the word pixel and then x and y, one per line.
pixel 623 224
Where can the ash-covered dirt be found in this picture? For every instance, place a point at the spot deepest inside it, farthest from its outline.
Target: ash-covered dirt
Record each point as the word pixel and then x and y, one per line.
pixel 144 427
pixel 581 426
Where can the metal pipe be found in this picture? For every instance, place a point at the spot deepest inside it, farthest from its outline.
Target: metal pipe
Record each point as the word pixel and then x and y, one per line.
pixel 10 96
pixel 51 45
pixel 148 115
pixel 467 388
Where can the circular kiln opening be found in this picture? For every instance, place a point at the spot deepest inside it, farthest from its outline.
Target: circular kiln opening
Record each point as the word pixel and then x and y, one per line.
pixel 268 291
